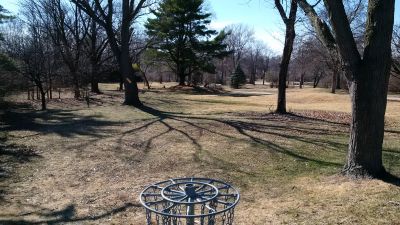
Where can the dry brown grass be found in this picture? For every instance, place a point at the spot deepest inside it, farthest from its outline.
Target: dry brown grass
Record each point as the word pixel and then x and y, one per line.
pixel 88 165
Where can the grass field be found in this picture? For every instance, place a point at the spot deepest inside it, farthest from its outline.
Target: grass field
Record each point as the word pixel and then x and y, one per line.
pixel 78 165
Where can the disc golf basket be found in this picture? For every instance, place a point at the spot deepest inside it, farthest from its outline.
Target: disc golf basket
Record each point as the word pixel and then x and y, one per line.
pixel 190 201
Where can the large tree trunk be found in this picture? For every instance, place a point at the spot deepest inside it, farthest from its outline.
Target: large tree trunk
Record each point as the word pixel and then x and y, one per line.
pixel 95 86
pixel 182 80
pixel 368 97
pixel 369 77
pixel 130 84
pixel 181 76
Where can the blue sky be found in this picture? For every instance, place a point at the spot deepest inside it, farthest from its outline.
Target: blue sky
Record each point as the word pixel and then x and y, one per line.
pixel 258 14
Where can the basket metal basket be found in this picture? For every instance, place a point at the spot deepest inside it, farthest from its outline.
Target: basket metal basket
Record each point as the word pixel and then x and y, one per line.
pixel 190 201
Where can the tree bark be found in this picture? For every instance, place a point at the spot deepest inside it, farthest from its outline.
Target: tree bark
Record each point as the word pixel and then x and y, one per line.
pixel 368 97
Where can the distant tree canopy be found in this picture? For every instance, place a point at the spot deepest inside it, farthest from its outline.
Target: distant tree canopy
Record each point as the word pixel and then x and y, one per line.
pixel 182 39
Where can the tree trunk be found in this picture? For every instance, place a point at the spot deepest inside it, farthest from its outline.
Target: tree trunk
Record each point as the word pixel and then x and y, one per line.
pixel 37 93
pixel 95 86
pixel 94 83
pixel 121 84
pixel 284 67
pixel 51 88
pixel 302 80
pixel 287 52
pixel 146 81
pixel 181 76
pixel 334 80
pixel 75 80
pixel 130 85
pixel 42 94
pixel 368 97
pixel 264 78
pixel 338 81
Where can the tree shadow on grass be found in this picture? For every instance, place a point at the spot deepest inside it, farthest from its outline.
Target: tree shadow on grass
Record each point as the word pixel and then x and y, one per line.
pixel 11 157
pixel 65 123
pixel 65 215
pixel 391 179
pixel 248 129
pixel 290 126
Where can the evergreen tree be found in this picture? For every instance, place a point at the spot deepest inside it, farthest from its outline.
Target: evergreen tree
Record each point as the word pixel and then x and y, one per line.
pixel 6 64
pixel 238 78
pixel 182 38
pixel 4 16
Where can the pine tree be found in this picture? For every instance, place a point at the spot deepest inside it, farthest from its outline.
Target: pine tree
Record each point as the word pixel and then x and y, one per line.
pixel 4 17
pixel 6 64
pixel 238 78
pixel 183 39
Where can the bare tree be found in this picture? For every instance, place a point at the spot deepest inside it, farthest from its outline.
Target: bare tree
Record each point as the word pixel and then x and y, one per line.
pixel 119 40
pixel 356 17
pixel 33 55
pixel 265 63
pixel 255 54
pixel 68 28
pixel 96 44
pixel 290 35
pixel 241 36
pixel 368 75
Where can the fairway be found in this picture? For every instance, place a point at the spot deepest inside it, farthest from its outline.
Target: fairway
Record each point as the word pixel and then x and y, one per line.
pixel 78 165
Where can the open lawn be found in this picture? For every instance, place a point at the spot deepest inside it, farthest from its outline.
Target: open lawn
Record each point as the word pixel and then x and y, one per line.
pixel 78 165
